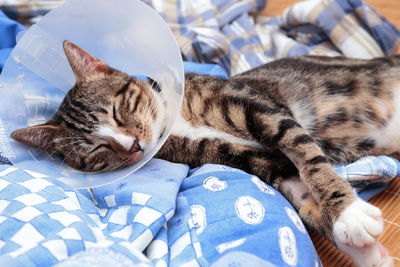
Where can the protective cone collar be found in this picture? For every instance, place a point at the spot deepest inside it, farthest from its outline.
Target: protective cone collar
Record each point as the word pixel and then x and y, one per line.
pixel 126 34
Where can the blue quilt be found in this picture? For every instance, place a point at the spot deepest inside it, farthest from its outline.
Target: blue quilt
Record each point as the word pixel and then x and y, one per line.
pixel 166 214
pixel 176 217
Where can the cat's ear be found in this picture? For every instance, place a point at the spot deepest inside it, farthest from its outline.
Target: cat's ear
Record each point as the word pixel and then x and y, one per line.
pixel 82 62
pixel 41 136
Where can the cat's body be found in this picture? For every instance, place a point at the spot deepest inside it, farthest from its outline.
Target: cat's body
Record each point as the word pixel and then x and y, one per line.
pixel 348 106
pixel 286 122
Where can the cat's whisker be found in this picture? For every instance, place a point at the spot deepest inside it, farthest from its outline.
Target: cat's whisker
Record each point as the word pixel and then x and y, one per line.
pixel 73 150
pixel 148 111
pixel 59 148
pixel 58 139
pixel 55 141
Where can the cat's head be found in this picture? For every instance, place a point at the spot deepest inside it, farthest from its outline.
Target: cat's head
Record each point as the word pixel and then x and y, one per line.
pixel 107 121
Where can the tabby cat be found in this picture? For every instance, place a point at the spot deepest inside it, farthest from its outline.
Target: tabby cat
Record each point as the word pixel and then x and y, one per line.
pixel 286 121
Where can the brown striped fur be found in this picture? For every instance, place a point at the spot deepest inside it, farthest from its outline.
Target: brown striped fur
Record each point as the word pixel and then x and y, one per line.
pixel 303 112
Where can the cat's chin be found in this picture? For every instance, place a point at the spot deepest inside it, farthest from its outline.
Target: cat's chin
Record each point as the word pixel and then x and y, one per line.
pixel 106 166
pixel 124 163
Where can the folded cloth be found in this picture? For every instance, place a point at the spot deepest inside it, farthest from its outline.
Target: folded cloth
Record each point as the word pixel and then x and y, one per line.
pixel 99 257
pixel 225 32
pixel 8 32
pixel 369 175
pixel 369 169
pixel 28 12
pixel 43 221
pixel 224 216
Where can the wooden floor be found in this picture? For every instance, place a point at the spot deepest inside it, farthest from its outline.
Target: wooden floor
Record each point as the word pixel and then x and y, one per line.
pixel 389 203
pixel 388 8
pixel 389 200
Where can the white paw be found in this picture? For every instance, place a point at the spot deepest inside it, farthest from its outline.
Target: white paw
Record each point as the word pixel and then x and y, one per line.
pixel 373 255
pixel 355 233
pixel 358 225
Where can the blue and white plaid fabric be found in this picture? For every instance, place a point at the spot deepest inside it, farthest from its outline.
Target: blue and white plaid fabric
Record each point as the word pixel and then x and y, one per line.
pixel 369 175
pixel 223 216
pixel 226 33
pixel 43 221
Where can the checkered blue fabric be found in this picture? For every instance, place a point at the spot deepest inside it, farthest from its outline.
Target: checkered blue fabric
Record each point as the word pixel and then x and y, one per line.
pixel 222 216
pixel 369 169
pixel 43 221
pixel 369 175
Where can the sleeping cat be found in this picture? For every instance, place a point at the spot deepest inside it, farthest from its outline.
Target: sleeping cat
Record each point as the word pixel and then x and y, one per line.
pixel 285 121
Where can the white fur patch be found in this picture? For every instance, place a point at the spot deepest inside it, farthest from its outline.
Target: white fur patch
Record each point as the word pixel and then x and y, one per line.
pixel 183 128
pixel 124 140
pixel 358 224
pixel 355 232
pixel 302 112
pixel 368 256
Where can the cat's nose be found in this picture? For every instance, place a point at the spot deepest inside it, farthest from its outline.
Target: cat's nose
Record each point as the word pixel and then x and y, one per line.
pixel 135 147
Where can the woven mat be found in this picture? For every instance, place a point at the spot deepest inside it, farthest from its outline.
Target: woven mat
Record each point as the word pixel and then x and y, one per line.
pixel 389 202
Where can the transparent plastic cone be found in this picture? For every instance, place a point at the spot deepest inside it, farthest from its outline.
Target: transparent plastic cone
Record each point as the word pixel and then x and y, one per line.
pixel 126 34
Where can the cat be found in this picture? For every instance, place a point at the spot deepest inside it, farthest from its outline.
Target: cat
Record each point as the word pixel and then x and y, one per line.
pixel 286 122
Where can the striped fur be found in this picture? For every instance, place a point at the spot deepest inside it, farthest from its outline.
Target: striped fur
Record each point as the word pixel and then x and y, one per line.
pixel 286 122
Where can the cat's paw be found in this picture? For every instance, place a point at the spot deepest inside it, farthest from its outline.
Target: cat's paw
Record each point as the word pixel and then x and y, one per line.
pixel 358 225
pixel 355 232
pixel 373 255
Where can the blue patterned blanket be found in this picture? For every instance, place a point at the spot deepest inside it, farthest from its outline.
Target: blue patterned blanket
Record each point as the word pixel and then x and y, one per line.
pixel 165 214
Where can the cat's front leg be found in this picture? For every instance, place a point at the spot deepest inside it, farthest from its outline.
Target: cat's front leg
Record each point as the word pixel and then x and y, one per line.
pixel 373 254
pixel 351 223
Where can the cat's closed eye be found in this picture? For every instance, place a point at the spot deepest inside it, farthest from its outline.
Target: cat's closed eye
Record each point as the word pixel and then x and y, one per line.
pixel 102 146
pixel 116 119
